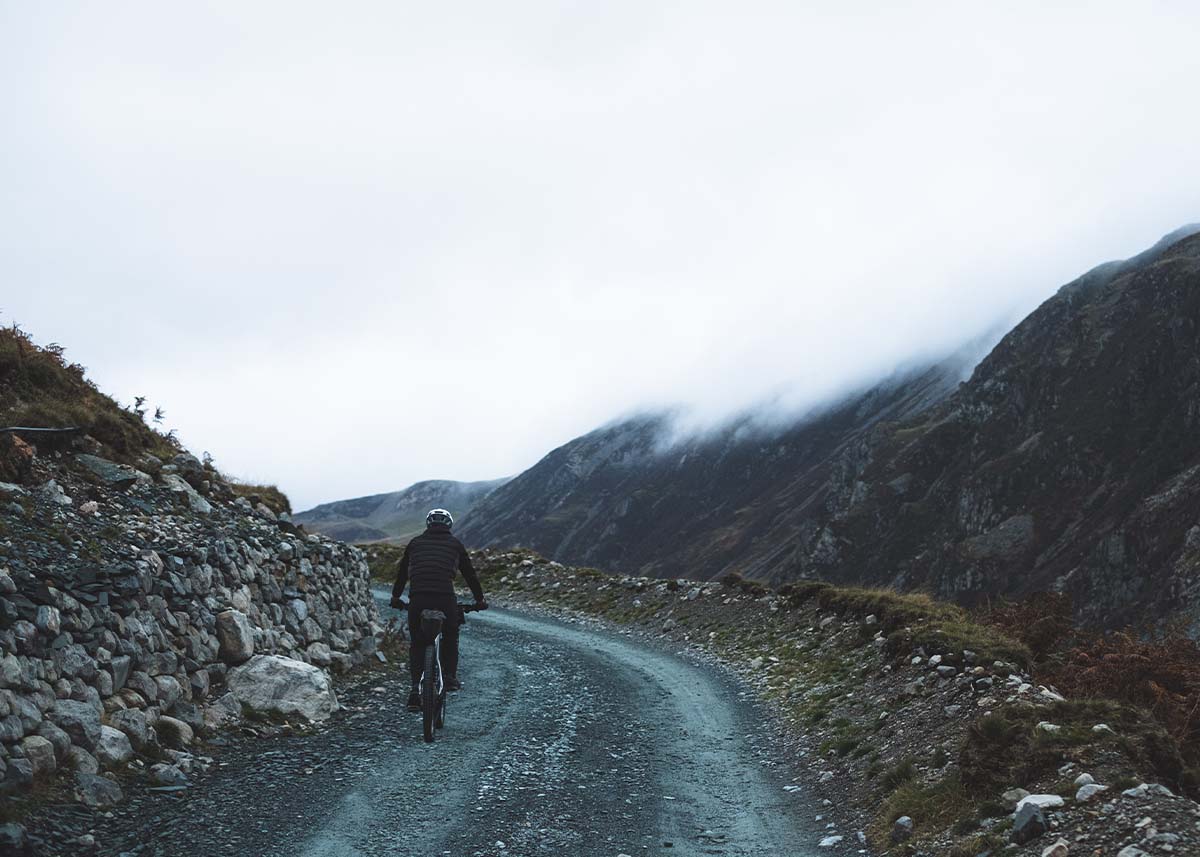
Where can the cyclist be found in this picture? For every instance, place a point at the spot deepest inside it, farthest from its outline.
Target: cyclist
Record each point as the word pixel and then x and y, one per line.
pixel 428 567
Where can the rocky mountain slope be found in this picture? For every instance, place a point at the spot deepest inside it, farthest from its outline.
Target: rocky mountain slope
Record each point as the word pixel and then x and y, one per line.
pixel 1069 460
pixel 396 516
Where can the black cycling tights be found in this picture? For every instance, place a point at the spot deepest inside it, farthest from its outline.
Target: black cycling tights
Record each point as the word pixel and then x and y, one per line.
pixel 416 653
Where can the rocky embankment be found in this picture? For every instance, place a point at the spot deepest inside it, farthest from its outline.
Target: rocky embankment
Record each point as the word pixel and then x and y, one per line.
pixel 920 730
pixel 143 609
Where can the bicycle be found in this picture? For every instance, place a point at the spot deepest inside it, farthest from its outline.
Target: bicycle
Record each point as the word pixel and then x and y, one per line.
pixel 432 687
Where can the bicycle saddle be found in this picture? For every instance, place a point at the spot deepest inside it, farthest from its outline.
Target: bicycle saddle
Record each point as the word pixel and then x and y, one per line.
pixel 431 621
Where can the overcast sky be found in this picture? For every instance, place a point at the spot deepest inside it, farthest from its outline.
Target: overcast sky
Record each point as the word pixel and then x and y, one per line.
pixel 349 246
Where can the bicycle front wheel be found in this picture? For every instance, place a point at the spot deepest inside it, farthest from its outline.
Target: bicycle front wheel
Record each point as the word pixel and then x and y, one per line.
pixel 429 694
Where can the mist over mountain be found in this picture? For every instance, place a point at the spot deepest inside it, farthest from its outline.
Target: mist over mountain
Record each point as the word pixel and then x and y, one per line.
pixel 394 516
pixel 1070 460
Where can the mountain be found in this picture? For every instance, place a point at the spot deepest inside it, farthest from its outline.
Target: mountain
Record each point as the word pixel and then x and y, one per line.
pixel 627 497
pixel 1070 460
pixel 396 516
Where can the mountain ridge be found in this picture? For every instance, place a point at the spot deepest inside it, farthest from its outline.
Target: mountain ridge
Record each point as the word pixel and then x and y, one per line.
pixel 925 483
pixel 393 515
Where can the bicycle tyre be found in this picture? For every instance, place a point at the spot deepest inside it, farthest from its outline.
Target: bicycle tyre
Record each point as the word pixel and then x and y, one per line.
pixel 429 694
pixel 440 720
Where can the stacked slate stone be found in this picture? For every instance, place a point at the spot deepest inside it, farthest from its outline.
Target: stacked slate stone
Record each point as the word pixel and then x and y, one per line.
pixel 129 595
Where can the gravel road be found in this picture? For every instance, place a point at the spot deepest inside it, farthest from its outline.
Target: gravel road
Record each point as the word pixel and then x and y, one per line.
pixel 566 740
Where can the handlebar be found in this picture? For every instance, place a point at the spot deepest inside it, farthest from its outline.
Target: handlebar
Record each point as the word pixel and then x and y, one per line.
pixel 464 606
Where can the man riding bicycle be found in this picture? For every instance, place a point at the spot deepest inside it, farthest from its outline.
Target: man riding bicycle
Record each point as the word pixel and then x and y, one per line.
pixel 428 567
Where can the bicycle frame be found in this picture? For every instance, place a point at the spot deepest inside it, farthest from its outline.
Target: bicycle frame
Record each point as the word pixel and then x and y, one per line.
pixel 433 682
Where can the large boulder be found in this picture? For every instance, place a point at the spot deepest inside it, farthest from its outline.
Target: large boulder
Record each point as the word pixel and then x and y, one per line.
pixel 80 720
pixel 271 684
pixel 113 748
pixel 235 636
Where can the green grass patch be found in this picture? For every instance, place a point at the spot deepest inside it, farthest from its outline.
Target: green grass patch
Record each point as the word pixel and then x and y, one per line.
pixel 933 807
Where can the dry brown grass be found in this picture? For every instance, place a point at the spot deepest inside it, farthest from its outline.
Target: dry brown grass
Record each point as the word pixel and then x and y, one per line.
pixel 269 495
pixel 39 388
pixel 1162 676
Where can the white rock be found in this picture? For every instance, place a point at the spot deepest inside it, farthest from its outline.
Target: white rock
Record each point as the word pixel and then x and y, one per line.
pixel 1040 801
pixel 1048 727
pixel 1084 780
pixel 270 684
pixel 829 841
pixel 1089 791
pixel 1058 849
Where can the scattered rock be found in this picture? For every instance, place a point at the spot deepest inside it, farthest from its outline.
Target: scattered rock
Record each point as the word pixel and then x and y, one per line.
pixel 163 774
pixel 1028 823
pixel 1059 849
pixel 117 475
pixel 902 829
pixel 13 839
pixel 1012 797
pixel 96 791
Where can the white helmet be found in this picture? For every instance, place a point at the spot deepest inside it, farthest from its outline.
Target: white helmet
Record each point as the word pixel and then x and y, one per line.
pixel 439 516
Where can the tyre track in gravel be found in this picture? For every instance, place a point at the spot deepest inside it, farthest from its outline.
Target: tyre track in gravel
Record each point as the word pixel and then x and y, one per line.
pixel 566 740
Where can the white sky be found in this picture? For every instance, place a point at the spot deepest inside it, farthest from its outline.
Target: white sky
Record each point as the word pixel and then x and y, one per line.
pixel 349 246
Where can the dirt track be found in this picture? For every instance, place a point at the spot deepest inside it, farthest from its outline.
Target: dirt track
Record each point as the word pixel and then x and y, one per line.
pixel 566 740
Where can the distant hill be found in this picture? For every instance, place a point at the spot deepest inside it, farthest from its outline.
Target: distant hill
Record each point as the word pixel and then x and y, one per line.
pixel 1069 461
pixel 396 516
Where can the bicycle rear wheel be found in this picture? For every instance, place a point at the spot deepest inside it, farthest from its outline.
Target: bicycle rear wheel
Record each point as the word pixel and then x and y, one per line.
pixel 429 694
pixel 440 720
